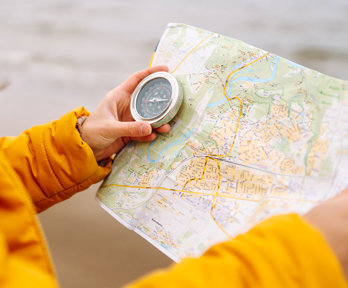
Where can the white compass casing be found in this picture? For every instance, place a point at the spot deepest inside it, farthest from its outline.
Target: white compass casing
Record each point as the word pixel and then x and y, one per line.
pixel 170 111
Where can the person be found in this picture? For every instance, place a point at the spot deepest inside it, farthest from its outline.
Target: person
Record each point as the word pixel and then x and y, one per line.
pixel 49 163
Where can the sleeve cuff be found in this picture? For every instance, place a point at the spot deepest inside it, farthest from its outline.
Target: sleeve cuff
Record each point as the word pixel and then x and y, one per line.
pixel 67 163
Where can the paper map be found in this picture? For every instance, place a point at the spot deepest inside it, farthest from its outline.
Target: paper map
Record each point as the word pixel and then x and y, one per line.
pixel 257 135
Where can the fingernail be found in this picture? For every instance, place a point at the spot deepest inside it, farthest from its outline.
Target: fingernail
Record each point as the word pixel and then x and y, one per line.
pixel 145 129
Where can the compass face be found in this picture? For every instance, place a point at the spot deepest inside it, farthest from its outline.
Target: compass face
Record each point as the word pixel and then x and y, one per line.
pixel 154 98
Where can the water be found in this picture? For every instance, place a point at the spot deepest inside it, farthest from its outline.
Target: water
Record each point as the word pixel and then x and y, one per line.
pixel 57 55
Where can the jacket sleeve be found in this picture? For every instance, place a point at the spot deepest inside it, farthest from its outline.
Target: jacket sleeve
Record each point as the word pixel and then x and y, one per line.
pixel 283 251
pixel 52 161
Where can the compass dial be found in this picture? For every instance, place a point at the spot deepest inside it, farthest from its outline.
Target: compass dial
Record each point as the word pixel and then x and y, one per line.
pixel 154 98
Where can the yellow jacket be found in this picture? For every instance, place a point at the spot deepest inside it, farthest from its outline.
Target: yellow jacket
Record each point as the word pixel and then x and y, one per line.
pixel 49 163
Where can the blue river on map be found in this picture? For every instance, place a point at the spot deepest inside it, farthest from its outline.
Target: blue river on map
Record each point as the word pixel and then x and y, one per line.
pixel 246 78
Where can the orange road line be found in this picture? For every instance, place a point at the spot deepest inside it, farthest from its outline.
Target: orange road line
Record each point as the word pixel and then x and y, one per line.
pixel 219 182
pixel 192 179
pixel 235 134
pixel 152 57
pixel 179 191
pixel 240 68
pixel 237 126
pixel 154 188
pixel 240 103
pixel 213 204
pixel 188 54
pixel 218 224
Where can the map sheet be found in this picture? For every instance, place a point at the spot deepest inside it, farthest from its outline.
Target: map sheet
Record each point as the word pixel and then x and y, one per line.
pixel 257 135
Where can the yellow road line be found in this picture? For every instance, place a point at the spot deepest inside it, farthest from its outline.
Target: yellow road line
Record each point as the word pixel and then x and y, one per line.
pixel 219 182
pixel 240 68
pixel 188 54
pixel 218 224
pixel 189 180
pixel 178 191
pixel 213 204
pixel 152 57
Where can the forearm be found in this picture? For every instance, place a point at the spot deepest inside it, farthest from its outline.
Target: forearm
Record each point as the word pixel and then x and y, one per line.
pixel 283 251
pixel 52 161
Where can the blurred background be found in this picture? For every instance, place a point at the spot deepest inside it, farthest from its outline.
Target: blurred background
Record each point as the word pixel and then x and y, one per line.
pixel 58 55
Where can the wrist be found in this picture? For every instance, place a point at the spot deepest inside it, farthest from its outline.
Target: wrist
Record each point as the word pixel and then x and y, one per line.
pixel 100 160
pixel 79 124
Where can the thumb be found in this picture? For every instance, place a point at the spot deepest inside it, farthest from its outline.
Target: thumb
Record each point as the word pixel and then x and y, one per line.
pixel 132 129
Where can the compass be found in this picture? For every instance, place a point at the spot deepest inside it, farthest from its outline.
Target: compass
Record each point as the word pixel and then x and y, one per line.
pixel 156 99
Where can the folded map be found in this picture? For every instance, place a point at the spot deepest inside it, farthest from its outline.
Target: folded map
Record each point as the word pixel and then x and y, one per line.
pixel 257 135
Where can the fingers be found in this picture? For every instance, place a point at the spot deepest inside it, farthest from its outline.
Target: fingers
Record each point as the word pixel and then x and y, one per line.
pixel 139 131
pixel 163 129
pixel 148 138
pixel 131 129
pixel 131 83
pixel 345 191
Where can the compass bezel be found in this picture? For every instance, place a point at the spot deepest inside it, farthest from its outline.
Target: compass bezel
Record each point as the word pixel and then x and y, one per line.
pixel 171 110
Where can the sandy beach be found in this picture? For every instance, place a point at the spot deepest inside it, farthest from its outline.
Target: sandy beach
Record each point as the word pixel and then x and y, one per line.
pixel 58 55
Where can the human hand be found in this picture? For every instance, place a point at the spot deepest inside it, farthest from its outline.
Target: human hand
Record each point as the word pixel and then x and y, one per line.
pixel 111 125
pixel 331 219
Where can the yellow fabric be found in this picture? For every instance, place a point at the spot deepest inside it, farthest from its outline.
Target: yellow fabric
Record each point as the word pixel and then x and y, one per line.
pixel 283 251
pixel 49 163
pixel 42 166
